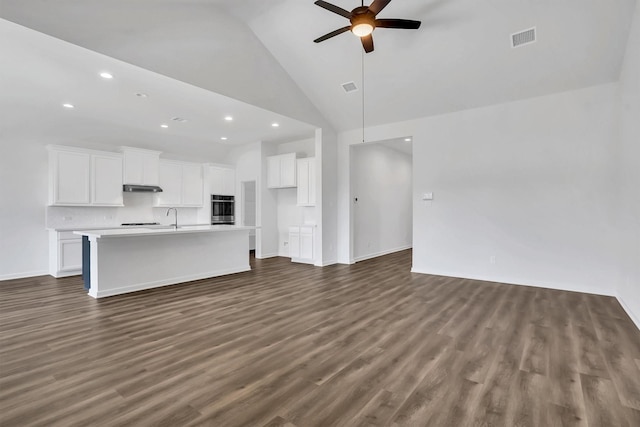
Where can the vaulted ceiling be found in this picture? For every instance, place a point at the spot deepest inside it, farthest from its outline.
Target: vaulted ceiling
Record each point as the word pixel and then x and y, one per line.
pixel 261 52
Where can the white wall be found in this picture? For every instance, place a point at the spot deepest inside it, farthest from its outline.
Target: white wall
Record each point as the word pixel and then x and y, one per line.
pixel 326 241
pixel 24 246
pixel 382 217
pixel 526 182
pixel 628 177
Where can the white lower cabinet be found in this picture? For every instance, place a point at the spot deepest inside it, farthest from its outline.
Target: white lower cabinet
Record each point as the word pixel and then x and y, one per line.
pixel 301 244
pixel 65 254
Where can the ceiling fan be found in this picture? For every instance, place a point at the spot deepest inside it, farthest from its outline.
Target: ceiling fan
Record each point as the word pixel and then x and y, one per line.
pixel 363 21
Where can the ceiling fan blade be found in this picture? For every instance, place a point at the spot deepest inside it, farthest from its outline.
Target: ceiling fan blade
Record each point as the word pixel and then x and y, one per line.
pixel 367 43
pixel 333 8
pixel 378 5
pixel 406 24
pixel 333 34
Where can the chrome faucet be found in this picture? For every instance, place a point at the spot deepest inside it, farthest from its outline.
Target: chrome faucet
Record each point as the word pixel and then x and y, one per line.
pixel 176 212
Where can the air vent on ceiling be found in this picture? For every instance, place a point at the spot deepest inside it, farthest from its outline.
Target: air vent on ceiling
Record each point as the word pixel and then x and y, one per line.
pixel 178 119
pixel 349 87
pixel 523 37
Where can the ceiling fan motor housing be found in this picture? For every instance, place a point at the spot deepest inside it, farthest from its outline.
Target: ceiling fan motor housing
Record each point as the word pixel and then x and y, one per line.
pixel 362 15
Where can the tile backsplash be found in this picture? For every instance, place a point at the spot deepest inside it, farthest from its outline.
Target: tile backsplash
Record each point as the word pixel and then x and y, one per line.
pixel 138 207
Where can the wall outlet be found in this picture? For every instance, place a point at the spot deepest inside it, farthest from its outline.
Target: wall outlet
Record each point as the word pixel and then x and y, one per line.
pixel 67 218
pixel 492 259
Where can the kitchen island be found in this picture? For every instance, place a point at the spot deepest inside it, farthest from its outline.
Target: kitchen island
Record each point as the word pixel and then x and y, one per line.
pixel 133 259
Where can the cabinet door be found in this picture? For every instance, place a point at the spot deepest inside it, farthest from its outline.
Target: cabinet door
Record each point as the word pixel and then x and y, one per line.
pixel 70 255
pixel 134 168
pixel 106 180
pixel 273 172
pixel 306 243
pixel 228 182
pixel 303 182
pixel 216 177
pixel 288 170
pixel 192 185
pixel 294 242
pixel 312 182
pixel 150 168
pixel 71 178
pixel 140 167
pixel 170 176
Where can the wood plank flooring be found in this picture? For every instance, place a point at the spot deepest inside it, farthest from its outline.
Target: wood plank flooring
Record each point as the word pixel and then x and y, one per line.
pixel 295 345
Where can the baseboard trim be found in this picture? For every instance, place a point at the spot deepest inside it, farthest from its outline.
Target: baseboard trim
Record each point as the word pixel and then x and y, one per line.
pixel 325 263
pixel 24 275
pixel 629 312
pixel 264 256
pixel 381 253
pixel 167 282
pixel 510 281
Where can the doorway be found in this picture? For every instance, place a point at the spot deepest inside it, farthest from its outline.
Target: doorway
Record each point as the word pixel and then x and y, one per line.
pixel 381 189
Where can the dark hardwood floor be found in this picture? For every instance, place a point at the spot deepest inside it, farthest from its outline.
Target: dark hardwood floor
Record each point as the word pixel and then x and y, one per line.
pixel 295 345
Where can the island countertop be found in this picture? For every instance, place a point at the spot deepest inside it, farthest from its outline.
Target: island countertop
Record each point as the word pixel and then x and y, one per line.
pixel 155 230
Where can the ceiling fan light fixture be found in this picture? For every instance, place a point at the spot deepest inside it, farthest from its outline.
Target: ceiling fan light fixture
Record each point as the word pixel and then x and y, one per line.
pixel 362 30
pixel 363 23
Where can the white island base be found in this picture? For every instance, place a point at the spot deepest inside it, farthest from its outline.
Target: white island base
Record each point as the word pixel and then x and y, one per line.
pixel 123 261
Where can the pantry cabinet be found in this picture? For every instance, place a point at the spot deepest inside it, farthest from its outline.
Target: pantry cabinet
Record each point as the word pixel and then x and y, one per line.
pixel 306 179
pixel 281 171
pixel 80 177
pixel 181 183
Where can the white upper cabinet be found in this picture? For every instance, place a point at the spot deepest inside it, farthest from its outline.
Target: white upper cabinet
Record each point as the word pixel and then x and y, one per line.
pixel 140 166
pixel 80 177
pixel 181 183
pixel 106 180
pixel 222 181
pixel 192 184
pixel 281 171
pixel 69 177
pixel 306 171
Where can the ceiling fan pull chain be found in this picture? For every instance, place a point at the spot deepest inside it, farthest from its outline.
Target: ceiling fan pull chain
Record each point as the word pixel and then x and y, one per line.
pixel 363 96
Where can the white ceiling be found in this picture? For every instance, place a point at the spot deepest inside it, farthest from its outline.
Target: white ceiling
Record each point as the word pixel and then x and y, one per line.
pixel 261 52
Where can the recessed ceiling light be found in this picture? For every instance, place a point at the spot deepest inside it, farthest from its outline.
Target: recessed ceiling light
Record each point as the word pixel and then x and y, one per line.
pixel 141 95
pixel 164 126
pixel 228 118
pixel 106 75
pixel 68 106
pixel 407 140
pixel 224 138
pixel 275 125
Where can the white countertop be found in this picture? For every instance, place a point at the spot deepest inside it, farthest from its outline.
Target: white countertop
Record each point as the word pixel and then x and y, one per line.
pixel 162 230
pixel 114 227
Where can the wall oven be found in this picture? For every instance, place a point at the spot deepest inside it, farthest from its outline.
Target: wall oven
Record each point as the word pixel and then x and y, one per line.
pixel 222 209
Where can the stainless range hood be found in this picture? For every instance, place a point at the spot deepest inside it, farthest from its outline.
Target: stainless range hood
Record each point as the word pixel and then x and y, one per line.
pixel 133 188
